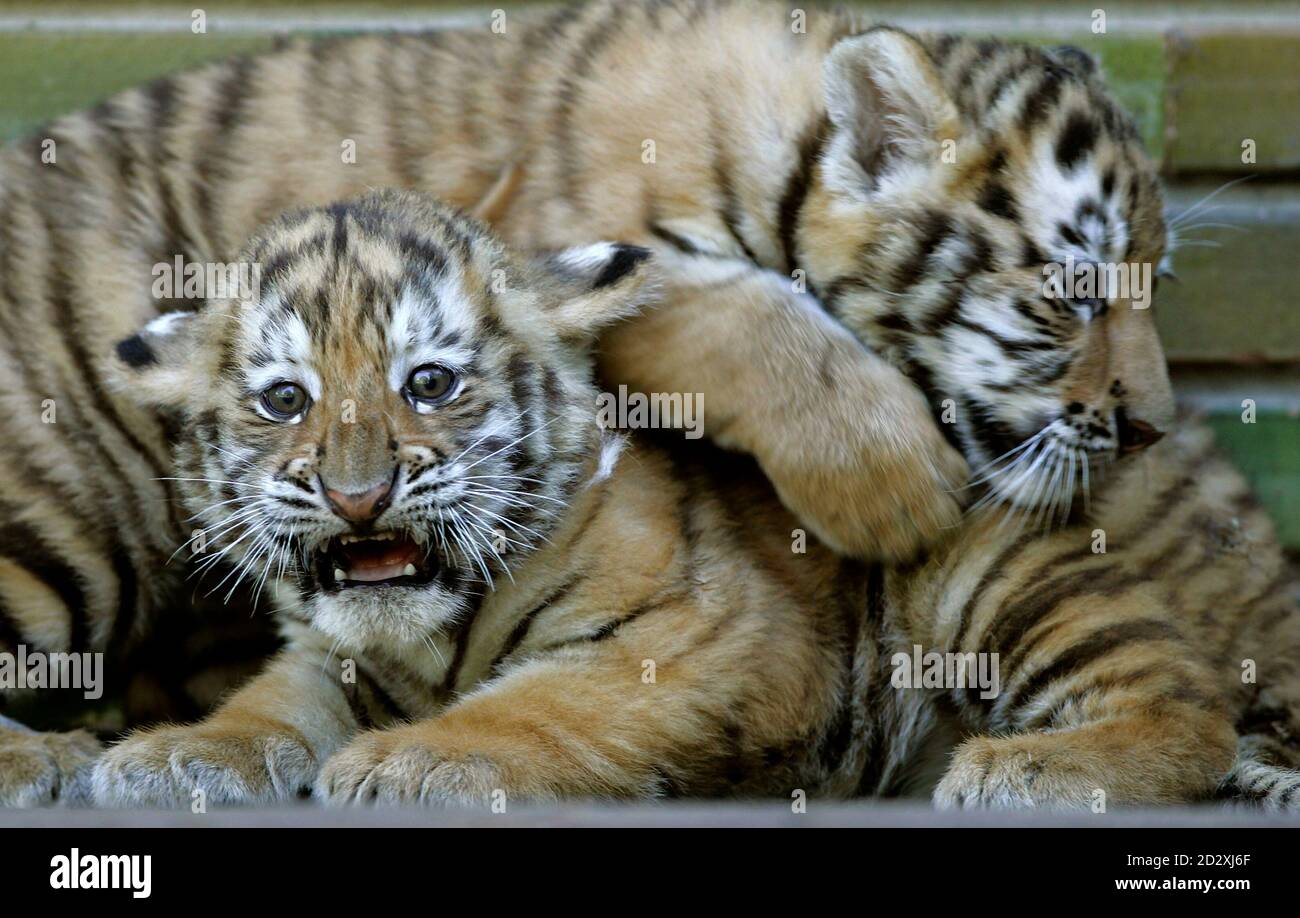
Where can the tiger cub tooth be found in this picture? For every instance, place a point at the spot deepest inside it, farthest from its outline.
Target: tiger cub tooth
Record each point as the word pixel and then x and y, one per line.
pixel 338 574
pixel 409 570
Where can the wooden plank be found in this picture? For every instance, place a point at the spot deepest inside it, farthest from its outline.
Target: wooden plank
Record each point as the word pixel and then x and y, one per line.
pixel 1230 88
pixel 1237 296
pixel 48 74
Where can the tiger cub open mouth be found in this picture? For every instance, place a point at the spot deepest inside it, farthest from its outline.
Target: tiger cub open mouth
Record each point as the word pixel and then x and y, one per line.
pixel 380 559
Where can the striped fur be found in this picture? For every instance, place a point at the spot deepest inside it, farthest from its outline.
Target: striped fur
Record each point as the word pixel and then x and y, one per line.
pixel 1121 672
pixel 607 618
pixel 766 163
pixel 190 165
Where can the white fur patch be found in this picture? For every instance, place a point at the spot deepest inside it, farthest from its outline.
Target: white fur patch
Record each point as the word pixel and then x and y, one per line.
pixel 586 259
pixel 611 447
pixel 166 323
pixel 415 321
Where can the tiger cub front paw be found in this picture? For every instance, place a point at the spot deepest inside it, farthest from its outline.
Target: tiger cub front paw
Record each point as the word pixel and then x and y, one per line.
pixel 404 766
pixel 1014 772
pixel 871 476
pixel 174 766
pixel 40 769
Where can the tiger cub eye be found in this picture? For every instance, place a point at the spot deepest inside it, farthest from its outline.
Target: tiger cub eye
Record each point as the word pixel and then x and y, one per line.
pixel 430 383
pixel 284 400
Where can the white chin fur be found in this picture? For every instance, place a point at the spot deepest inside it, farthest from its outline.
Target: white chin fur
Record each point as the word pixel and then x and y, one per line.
pixel 361 617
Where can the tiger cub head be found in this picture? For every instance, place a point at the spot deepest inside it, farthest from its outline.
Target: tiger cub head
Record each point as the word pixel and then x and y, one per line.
pixel 984 216
pixel 396 415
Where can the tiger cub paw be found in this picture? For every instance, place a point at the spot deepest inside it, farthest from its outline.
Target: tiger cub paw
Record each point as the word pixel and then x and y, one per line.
pixel 41 769
pixel 880 488
pixel 176 766
pixel 402 766
pixel 1014 772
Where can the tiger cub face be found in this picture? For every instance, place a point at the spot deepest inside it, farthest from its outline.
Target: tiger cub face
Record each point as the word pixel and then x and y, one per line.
pixel 992 225
pixel 395 417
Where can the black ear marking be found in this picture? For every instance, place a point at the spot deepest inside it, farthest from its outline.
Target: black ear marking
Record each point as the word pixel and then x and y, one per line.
pixel 136 353
pixel 1076 59
pixel 622 263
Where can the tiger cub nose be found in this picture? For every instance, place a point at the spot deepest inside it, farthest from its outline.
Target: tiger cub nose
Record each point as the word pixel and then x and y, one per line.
pixel 1134 435
pixel 363 507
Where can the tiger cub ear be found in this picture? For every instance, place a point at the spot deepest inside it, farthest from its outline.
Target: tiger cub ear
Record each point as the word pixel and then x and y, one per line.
pixel 1081 62
pixel 156 365
pixel 599 285
pixel 887 106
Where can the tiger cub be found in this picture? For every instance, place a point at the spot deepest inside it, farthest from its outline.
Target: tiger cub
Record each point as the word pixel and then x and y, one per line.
pixel 732 102
pixel 487 594
pixel 792 182
pixel 1143 616
pixel 485 591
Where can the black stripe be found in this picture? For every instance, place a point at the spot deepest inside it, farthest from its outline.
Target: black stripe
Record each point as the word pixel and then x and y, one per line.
pixel 459 635
pixel 796 190
pixel 338 211
pixel 20 459
pixel 360 713
pixel 995 437
pixel 1027 611
pixel 1077 139
pixel 213 165
pixel 578 68
pixel 681 244
pixel 523 376
pixel 874 751
pixel 1088 650
pixel 406 156
pixel 623 262
pixel 176 239
pixel 414 246
pixel 520 631
pixel 965 79
pixel 115 146
pixel 24 545
pixel 61 295
pixel 1006 80
pixel 729 210
pixel 998 201
pixel 858 608
pixel 612 627
pixel 391 708
pixel 936 322
pixel 942 47
pixel 934 229
pixel 1110 579
pixel 992 573
pixel 1010 347
pixel 1039 102
pixel 128 599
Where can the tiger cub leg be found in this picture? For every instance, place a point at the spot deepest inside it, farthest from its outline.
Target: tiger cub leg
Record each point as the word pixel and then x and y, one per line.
pixel 554 729
pixel 1160 755
pixel 264 744
pixel 1103 705
pixel 846 439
